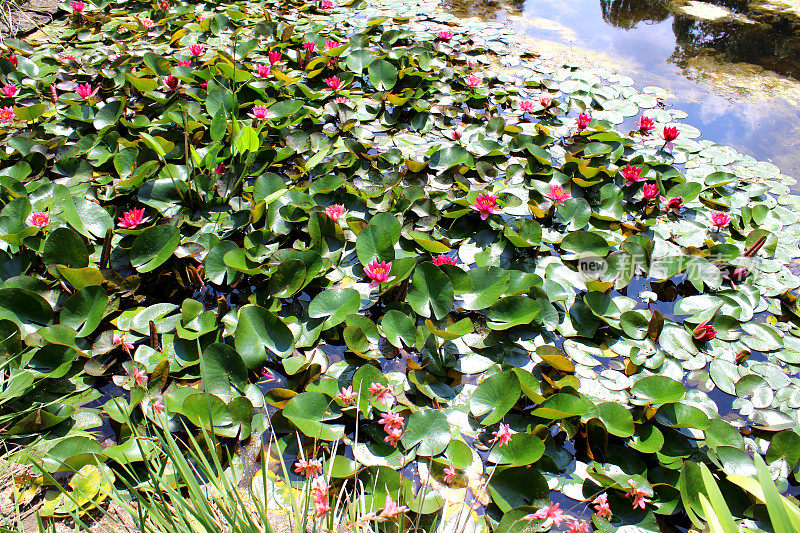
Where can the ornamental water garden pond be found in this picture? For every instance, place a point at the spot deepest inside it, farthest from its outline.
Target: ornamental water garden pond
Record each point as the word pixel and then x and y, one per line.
pixel 359 267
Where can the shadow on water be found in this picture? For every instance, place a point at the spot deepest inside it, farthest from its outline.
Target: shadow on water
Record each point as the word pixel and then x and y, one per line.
pixel 733 65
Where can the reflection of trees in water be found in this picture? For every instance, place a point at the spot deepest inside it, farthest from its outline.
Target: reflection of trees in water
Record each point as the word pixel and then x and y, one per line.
pixel 485 9
pixel 774 47
pixel 627 14
pixel 771 47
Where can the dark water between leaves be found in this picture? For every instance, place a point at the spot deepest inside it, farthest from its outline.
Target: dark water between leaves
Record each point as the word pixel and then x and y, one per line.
pixel 737 77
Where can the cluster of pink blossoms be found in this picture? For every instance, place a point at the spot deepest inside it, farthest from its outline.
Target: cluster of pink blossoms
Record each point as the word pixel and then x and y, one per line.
pixel 393 425
pixel 312 469
pixel 503 435
pixel 640 500
pixel 555 514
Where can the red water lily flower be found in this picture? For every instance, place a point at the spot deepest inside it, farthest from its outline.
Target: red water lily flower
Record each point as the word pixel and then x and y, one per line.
pixel 78 7
pixel 675 203
pixel 444 36
pixel 9 90
pixel 7 115
pixel 456 134
pixel 485 204
pixel 197 49
pixel 330 45
pixel 583 121
pixel 184 63
pixel 327 4
pixel 670 134
pixel 132 218
pixel 444 259
pixel 558 195
pixel 171 82
pixel 12 60
pixel 473 81
pixel 545 101
pixel 309 47
pixel 274 57
pixel 526 106
pixel 704 332
pixel 333 83
pixel 650 190
pixel 632 174
pixel 335 211
pixel 163 5
pixel 645 125
pixel 221 168
pixel 259 112
pixel 39 220
pixel 720 219
pixel 378 273
pixel 85 91
pixel 264 71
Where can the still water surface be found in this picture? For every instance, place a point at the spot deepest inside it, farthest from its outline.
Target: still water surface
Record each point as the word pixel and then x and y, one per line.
pixel 738 78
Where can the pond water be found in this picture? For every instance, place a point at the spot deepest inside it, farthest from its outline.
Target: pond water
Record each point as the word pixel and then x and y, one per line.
pixel 737 77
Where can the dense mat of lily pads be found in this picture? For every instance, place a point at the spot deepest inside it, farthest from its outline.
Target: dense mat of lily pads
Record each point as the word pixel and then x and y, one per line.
pixel 469 287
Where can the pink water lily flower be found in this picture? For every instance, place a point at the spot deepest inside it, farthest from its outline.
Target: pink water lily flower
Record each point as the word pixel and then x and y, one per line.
pixel 264 71
pixel 39 220
pixel 139 377
pixel 197 49
pixel 444 259
pixel 147 23
pixel 704 332
pixel 473 81
pixel 381 393
pixel 650 190
pixel 632 174
pixel 545 101
pixel 638 495
pixel 127 346
pixel 259 112
pixel 391 508
pixel 68 59
pixel 456 134
pixel 558 195
pixel 164 4
pixel 333 83
pixel 184 63
pixel 341 100
pixel 675 203
pixel 645 125
pixel 601 506
pixel 267 375
pixel 221 168
pixel 335 211
pixel 444 36
pixel 132 218
pixel 391 421
pixel 311 468
pixel 526 106
pixel 548 511
pixel 85 91
pixel 449 473
pixel 158 406
pixel 720 219
pixel 171 82
pixel 347 396
pixel 378 273
pixel 503 435
pixel 578 526
pixel 327 4
pixel 274 57
pixel 485 204
pixel 393 436
pixel 309 47
pixel 78 7
pixel 330 45
pixel 7 115
pixel 9 90
pixel 583 121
